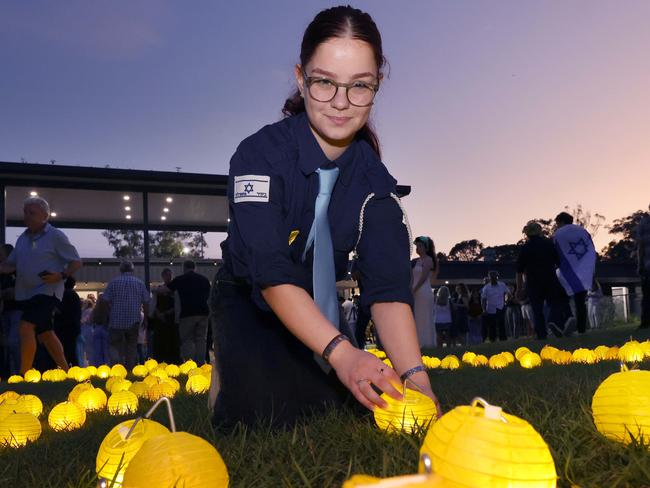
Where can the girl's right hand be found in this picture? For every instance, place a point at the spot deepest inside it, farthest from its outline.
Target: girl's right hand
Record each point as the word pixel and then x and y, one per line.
pixel 359 370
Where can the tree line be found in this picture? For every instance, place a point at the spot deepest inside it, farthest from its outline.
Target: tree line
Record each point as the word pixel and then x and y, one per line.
pixel 164 244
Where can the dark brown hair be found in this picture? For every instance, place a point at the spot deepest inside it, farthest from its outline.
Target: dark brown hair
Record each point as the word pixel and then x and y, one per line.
pixel 342 21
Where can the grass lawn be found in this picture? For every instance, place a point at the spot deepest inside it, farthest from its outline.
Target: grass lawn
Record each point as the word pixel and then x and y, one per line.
pixel 328 449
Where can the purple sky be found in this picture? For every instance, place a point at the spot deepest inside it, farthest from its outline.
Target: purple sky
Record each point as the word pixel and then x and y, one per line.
pixel 494 112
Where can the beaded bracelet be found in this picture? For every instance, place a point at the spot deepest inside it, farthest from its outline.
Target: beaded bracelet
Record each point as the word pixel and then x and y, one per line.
pixel 411 372
pixel 327 352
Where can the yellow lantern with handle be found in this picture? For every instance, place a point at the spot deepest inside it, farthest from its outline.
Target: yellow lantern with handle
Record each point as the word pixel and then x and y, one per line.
pixel 16 429
pixel 414 411
pixel 121 444
pixel 66 416
pixel 29 404
pixel 479 445
pixel 122 403
pixel 197 384
pixel 92 400
pixel 621 406
pixel 176 459
pixel 32 376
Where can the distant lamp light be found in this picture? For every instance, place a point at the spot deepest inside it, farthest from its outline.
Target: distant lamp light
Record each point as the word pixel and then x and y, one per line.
pixel 126 198
pixel 127 208
pixel 128 217
pixel 52 214
pixel 228 219
pixel 169 200
pixel 186 250
pixel 33 194
pixel 163 218
pixel 165 210
pixel 446 282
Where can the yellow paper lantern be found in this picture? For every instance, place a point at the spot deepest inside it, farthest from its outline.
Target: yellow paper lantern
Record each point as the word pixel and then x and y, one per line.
pixel 32 376
pixel 66 416
pixel 450 362
pixel 431 362
pixel 73 396
pixel 17 429
pixel 120 384
pixel 159 373
pixel 160 390
pixel 176 459
pixel 103 371
pixel 480 360
pixel 498 361
pixel 92 370
pixel 407 481
pixel 187 366
pixel 82 375
pixel 194 371
pixel 73 372
pixel 118 370
pixel 207 369
pixel 612 353
pixel 140 371
pixel 151 380
pixel 139 388
pixel 151 364
pixel 562 357
pixel 92 400
pixel 548 352
pixel 197 384
pixel 645 345
pixel 122 403
pixel 8 406
pixel 468 357
pixel 175 384
pixel 172 370
pixel 54 375
pixel 631 352
pixel 621 406
pixel 530 360
pixel 118 447
pixel 29 404
pixel 414 411
pixel 601 352
pixel 509 356
pixel 584 356
pixel 15 378
pixel 520 352
pixel 472 446
pixel 9 395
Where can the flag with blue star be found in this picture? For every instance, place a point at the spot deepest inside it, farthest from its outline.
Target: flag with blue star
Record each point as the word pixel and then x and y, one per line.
pixel 577 258
pixel 251 188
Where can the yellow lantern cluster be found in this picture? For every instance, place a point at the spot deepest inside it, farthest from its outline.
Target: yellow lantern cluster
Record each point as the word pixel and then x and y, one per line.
pixel 122 403
pixel 176 459
pixel 480 447
pixel 414 411
pixel 621 406
pixel 66 416
pixel 121 444
pixel 17 429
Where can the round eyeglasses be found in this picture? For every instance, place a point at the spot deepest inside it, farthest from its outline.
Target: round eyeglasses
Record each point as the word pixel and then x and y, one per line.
pixel 359 93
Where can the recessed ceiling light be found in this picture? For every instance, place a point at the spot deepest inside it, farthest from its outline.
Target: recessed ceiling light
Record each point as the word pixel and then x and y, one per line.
pixel 165 210
pixel 169 200
pixel 127 208
pixel 126 198
pixel 33 194
pixel 128 217
pixel 52 214
pixel 163 218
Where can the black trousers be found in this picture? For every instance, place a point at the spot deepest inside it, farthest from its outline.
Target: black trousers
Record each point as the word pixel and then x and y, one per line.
pixel 496 322
pixel 645 301
pixel 552 295
pixel 580 301
pixel 265 372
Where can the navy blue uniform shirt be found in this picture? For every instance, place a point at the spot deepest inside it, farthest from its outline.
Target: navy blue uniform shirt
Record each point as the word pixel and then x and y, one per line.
pixel 272 190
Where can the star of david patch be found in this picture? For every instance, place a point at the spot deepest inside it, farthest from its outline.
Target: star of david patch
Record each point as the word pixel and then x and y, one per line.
pixel 252 188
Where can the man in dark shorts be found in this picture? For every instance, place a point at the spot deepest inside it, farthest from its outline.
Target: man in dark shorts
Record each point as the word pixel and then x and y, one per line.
pixel 42 259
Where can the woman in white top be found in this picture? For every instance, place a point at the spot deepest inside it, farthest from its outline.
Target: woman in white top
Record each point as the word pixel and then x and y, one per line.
pixel 424 269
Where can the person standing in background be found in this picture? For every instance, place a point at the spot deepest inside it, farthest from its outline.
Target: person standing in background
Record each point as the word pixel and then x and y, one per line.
pixel 67 321
pixel 493 300
pixel 42 259
pixel 643 268
pixel 423 303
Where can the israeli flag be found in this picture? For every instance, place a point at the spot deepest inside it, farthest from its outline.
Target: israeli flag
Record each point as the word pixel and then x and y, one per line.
pixel 577 258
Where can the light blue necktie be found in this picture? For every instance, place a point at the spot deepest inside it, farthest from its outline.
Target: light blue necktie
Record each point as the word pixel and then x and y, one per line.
pixel 324 276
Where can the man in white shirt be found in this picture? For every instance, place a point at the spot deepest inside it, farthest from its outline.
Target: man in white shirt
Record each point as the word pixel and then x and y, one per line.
pixel 493 299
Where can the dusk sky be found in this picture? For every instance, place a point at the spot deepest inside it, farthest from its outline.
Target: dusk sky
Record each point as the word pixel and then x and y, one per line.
pixel 494 112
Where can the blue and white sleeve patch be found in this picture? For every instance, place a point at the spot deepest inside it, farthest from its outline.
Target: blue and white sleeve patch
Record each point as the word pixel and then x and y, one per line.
pixel 252 188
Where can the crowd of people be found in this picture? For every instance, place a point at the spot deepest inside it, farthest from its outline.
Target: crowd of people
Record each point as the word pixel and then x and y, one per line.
pixel 46 324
